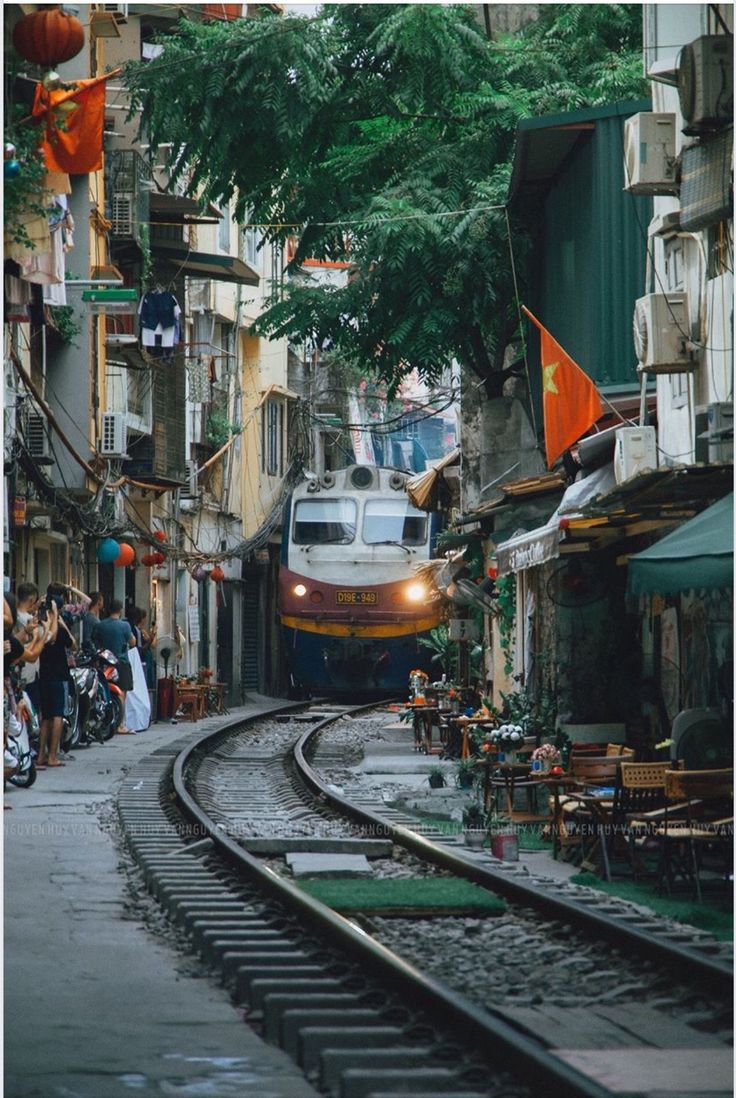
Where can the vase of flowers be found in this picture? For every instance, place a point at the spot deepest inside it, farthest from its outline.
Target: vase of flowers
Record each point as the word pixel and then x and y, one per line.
pixel 508 739
pixel 547 755
pixel 417 682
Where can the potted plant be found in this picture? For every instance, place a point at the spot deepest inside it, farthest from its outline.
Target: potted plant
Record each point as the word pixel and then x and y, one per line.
pixel 474 824
pixel 436 778
pixel 465 771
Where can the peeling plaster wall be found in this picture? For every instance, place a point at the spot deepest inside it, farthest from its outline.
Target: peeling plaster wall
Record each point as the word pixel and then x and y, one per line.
pixel 496 434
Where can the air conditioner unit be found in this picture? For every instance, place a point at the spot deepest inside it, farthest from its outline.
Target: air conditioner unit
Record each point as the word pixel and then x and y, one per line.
pixel 714 432
pixel 636 452
pixel 113 436
pixel 661 334
pixel 122 211
pixel 650 154
pixel 36 434
pixel 120 11
pixel 705 83
pixel 193 487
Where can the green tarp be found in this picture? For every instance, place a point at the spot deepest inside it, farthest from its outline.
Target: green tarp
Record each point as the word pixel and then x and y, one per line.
pixel 697 554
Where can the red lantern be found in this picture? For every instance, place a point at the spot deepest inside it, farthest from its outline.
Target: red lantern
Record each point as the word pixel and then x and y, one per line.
pixel 126 555
pixel 158 558
pixel 217 574
pixel 48 37
pixel 159 535
pixel 148 560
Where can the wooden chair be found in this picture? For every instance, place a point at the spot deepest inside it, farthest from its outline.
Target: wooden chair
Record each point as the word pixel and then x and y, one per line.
pixel 698 818
pixel 190 703
pixel 640 790
pixel 579 818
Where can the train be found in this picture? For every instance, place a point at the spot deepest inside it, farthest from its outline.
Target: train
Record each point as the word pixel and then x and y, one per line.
pixel 352 610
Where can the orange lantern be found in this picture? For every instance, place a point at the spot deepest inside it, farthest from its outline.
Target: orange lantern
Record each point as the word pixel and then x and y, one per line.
pixel 48 37
pixel 158 557
pixel 126 555
pixel 217 574
pixel 159 535
pixel 148 560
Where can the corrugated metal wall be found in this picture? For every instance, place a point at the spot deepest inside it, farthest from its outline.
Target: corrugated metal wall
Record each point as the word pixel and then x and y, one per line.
pixel 592 257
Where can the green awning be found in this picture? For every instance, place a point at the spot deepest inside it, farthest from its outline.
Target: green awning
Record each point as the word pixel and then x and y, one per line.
pixel 698 554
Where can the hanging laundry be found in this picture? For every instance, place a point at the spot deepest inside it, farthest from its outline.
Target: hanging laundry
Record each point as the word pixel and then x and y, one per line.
pixel 159 314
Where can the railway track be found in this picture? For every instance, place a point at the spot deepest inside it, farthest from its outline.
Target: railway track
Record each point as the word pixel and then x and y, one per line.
pixel 373 1006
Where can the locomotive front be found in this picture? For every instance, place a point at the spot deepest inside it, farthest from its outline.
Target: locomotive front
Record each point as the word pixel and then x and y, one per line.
pixel 352 610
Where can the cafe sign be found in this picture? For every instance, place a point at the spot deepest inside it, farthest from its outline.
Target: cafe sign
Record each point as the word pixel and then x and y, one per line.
pixel 528 550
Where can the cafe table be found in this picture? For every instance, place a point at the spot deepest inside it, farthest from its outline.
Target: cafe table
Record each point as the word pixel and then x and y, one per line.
pixel 566 783
pixel 464 724
pixel 424 719
pixel 510 777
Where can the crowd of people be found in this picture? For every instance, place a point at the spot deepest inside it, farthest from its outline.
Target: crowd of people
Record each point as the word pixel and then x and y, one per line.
pixel 41 637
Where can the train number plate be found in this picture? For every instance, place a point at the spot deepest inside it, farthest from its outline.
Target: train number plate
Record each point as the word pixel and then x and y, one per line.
pixel 356 598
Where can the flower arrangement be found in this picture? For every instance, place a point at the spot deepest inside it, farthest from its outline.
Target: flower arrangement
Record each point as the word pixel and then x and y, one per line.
pixel 419 675
pixel 508 737
pixel 546 753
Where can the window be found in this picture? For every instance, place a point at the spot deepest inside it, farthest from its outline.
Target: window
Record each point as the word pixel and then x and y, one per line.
pixel 252 237
pixel 393 520
pixel 223 229
pixel 273 438
pixel 324 521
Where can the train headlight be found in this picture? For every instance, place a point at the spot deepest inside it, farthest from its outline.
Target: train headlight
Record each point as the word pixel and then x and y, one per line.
pixel 300 590
pixel 415 592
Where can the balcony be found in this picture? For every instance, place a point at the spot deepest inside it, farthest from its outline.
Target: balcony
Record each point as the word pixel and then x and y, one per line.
pixel 128 185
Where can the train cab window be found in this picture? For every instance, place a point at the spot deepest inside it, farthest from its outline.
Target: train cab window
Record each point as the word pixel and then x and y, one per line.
pixel 393 520
pixel 324 521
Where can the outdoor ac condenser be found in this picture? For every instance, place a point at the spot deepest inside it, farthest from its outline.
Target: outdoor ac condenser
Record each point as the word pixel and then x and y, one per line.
pixel 113 437
pixel 636 452
pixel 705 83
pixel 650 154
pixel 661 333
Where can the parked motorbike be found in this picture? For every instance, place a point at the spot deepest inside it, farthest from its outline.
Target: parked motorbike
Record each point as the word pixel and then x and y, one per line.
pixel 99 697
pixel 22 729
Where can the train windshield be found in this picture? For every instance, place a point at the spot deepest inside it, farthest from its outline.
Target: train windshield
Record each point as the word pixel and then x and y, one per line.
pixel 324 521
pixel 393 520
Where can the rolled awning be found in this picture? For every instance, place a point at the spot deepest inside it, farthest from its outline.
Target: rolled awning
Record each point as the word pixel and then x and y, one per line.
pixel 222 268
pixel 698 554
pixel 422 489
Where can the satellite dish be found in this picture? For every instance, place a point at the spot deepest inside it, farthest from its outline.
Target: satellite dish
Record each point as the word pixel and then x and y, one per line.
pixel 576 583
pixel 476 595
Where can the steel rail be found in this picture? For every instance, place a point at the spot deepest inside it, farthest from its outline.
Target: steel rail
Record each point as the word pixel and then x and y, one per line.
pixel 644 942
pixel 529 1060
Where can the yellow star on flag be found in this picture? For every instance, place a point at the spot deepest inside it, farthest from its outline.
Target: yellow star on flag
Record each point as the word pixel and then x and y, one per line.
pixel 549 385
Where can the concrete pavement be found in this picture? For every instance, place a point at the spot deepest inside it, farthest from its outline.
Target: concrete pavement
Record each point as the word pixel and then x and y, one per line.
pixel 95 1005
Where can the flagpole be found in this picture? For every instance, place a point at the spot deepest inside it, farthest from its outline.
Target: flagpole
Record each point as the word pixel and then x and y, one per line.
pixel 531 317
pixel 70 95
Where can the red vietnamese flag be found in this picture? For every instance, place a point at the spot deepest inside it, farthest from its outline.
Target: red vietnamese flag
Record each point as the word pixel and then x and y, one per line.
pixel 74 124
pixel 570 400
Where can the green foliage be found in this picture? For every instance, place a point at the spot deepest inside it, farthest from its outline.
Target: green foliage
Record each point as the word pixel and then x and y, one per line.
pixel 23 196
pixel 66 323
pixel 397 122
pixel 219 428
pixel 506 609
pixel 443 648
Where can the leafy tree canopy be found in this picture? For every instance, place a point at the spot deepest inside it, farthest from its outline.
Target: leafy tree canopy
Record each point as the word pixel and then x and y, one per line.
pixel 381 135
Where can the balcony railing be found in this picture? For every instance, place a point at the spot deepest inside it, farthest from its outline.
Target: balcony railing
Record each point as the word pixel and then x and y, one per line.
pixel 128 183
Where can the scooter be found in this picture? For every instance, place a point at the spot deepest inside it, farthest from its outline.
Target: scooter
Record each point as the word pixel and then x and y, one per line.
pixel 107 664
pixel 96 708
pixel 22 724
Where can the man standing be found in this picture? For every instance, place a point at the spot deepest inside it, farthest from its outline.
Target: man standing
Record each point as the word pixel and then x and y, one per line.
pixel 25 631
pixel 92 617
pixel 115 633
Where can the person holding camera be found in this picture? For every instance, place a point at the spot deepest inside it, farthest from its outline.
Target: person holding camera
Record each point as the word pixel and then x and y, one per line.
pixel 54 677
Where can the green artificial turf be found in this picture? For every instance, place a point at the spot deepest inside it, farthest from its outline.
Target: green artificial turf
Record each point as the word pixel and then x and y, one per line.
pixel 422 894
pixel 716 918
